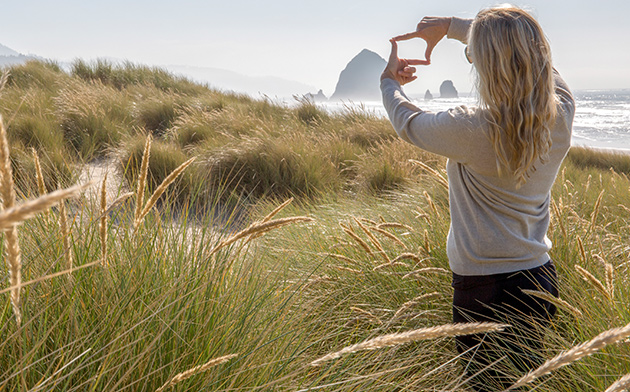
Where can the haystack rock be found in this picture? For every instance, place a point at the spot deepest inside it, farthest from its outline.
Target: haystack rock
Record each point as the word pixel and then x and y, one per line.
pixel 447 90
pixel 428 96
pixel 360 80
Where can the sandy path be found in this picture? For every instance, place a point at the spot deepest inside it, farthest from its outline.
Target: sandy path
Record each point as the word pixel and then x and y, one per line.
pixel 95 171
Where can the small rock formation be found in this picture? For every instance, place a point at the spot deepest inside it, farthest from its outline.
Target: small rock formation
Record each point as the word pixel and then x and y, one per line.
pixel 319 97
pixel 428 96
pixel 447 90
pixel 361 78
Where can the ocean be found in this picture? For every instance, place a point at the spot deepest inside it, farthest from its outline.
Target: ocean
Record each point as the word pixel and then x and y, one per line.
pixel 602 117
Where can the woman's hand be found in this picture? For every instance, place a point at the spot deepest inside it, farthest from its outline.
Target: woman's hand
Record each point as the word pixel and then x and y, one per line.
pixel 399 69
pixel 431 29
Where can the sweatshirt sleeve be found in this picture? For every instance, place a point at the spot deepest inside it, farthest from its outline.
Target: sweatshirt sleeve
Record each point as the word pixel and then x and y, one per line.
pixel 459 29
pixel 450 133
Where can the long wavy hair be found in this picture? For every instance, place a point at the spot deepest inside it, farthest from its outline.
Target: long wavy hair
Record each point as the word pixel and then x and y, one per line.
pixel 515 83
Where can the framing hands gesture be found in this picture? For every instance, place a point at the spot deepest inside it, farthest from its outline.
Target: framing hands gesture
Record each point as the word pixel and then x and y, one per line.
pixel 432 30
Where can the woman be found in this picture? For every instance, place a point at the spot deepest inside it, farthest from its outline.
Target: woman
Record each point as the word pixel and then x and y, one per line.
pixel 503 157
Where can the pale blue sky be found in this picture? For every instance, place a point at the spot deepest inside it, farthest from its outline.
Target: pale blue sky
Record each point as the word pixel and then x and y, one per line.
pixel 310 41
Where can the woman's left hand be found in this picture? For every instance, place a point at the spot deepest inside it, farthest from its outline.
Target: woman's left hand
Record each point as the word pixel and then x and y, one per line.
pixel 399 69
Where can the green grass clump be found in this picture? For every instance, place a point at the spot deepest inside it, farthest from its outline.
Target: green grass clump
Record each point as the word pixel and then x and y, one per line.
pixel 165 158
pixel 126 74
pixel 260 167
pixel 35 74
pixel 587 157
pixel 93 117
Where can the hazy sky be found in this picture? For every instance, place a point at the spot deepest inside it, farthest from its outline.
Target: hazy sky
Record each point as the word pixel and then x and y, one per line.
pixel 306 41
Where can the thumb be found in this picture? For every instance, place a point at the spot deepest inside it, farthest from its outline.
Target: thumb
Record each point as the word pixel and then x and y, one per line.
pixel 427 53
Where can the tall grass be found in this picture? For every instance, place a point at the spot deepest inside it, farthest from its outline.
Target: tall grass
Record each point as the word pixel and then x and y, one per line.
pixel 357 260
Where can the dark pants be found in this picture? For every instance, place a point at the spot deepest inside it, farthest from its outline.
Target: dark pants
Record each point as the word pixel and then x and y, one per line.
pixel 492 361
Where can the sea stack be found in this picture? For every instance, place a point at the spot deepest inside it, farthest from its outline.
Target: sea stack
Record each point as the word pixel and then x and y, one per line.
pixel 319 97
pixel 359 81
pixel 428 96
pixel 447 90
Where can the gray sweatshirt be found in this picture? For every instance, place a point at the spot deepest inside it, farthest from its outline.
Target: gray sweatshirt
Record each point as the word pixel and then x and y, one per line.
pixel 495 227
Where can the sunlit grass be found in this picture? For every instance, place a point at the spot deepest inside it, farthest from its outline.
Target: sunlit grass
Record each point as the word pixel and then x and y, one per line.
pixel 199 278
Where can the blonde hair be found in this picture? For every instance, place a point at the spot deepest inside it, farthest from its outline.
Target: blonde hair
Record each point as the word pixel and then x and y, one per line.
pixel 516 88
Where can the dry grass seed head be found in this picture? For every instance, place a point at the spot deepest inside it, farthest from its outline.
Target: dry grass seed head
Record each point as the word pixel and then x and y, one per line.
pixel 393 225
pixel 558 217
pixel 556 301
pixel 581 248
pixel 397 339
pixel 610 273
pixel 409 256
pixel 580 351
pixel 367 314
pixel 7 191
pixel 598 203
pixel 390 236
pixel 343 258
pixel 26 210
pixel 434 270
pixel 162 188
pixel 373 240
pixel 427 245
pixel 359 241
pixel 41 186
pixel 437 175
pixel 409 304
pixel 431 203
pixel 346 269
pixel 259 227
pixel 196 370
pixel 621 385
pixel 390 264
pixel 587 276
pixel 144 170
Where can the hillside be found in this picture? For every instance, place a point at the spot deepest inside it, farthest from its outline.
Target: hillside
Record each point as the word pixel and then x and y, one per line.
pixel 295 240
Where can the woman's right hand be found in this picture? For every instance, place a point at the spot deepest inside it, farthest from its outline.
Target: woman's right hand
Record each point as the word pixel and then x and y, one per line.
pixel 431 29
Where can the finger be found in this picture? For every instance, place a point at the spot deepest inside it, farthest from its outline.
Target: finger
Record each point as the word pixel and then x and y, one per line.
pixel 409 69
pixel 418 62
pixel 393 56
pixel 407 36
pixel 427 53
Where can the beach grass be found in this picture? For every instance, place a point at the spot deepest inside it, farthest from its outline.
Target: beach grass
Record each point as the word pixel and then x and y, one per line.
pixel 294 235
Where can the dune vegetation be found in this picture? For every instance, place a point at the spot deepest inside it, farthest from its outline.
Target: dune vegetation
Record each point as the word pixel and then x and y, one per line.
pixel 248 245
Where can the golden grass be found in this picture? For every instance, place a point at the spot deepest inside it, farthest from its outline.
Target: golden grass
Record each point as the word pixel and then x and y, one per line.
pixel 389 235
pixel 554 300
pixel 259 228
pixel 162 188
pixel 41 186
pixel 26 210
pixel 434 270
pixel 13 253
pixel 621 385
pixel 588 277
pixel 585 349
pixel 102 229
pixel 375 242
pixel 410 304
pixel 439 177
pixel 396 339
pixel 142 179
pixel 196 370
